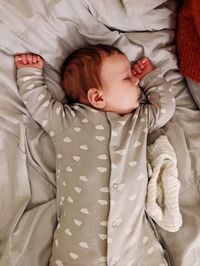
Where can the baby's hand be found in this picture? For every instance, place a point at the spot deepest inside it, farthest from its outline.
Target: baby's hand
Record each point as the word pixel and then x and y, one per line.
pixel 29 60
pixel 142 67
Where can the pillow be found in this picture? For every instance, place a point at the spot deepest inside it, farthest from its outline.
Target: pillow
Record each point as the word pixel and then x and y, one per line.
pixel 137 8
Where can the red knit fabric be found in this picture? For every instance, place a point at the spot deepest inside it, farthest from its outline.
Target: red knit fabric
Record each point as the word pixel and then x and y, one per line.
pixel 188 39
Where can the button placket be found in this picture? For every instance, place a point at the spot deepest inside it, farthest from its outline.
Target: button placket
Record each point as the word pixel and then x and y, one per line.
pixel 114 185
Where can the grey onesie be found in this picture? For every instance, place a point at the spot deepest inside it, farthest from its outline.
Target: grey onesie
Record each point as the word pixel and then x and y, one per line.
pixel 101 174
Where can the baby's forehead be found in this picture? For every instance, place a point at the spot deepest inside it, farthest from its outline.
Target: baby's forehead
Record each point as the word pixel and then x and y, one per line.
pixel 115 66
pixel 116 61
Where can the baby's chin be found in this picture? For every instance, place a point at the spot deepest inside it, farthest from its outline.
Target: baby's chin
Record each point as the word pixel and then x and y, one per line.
pixel 128 110
pixel 123 110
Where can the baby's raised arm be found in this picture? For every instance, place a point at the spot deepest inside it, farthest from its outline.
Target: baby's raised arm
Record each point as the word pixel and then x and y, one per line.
pixel 51 114
pixel 161 102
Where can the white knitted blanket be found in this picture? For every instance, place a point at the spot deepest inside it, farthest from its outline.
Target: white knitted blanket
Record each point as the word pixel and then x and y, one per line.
pixel 163 188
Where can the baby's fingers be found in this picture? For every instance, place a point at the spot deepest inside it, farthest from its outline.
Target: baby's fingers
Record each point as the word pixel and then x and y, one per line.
pixel 133 72
pixel 137 68
pixel 24 59
pixel 18 59
pixel 142 62
pixel 39 58
pixel 29 58
pixel 34 58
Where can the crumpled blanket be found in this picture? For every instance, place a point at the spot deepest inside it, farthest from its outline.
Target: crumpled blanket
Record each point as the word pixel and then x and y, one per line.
pixel 162 202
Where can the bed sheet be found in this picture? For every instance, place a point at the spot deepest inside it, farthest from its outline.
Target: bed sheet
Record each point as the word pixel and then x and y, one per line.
pixel 27 168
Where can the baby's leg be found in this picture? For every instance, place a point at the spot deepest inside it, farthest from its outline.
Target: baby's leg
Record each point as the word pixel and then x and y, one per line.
pixel 29 60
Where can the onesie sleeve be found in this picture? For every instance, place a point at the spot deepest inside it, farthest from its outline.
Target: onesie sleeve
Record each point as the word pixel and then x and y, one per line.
pixel 50 114
pixel 160 105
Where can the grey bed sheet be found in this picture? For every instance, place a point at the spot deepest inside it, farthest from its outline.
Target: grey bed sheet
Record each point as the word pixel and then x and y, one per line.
pixel 53 28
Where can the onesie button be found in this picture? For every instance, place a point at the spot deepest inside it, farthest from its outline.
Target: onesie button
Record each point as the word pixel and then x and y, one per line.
pixel 113 262
pixel 114 224
pixel 115 185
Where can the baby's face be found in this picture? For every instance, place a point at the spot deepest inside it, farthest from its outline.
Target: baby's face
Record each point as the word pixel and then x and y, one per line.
pixel 120 88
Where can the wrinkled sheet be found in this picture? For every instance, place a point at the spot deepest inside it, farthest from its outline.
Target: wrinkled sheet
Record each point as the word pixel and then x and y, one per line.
pixel 53 28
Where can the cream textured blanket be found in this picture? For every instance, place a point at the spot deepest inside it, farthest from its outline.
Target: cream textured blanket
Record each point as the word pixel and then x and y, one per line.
pixel 163 188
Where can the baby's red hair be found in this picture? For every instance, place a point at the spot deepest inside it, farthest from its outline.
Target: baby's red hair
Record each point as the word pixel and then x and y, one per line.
pixel 81 70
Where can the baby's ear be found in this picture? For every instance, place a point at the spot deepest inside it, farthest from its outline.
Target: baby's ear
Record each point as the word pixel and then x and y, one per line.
pixel 95 98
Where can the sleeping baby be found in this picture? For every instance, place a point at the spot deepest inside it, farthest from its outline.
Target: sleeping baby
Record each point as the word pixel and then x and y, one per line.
pixel 100 140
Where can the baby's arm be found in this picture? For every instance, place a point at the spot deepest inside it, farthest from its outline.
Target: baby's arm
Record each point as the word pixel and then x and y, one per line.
pixel 47 111
pixel 161 102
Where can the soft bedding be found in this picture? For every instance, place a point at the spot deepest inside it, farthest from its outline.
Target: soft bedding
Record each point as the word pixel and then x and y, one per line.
pixel 27 168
